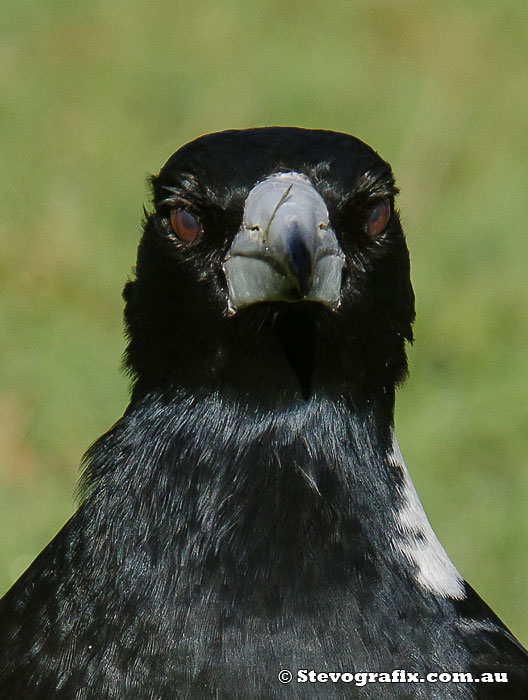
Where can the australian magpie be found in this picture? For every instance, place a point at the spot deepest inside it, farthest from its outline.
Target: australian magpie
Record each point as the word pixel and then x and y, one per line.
pixel 248 529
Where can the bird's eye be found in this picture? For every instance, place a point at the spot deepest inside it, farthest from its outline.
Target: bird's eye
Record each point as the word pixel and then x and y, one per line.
pixel 379 217
pixel 185 225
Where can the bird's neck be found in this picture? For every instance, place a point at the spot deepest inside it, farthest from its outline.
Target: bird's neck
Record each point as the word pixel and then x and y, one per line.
pixel 247 491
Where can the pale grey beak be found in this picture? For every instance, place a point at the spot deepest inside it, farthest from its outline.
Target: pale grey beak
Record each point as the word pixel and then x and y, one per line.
pixel 286 249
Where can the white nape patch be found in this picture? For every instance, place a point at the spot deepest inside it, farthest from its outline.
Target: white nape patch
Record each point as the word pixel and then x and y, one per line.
pixel 417 541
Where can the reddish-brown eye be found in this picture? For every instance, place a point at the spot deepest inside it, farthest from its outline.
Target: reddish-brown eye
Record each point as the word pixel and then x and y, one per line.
pixel 185 225
pixel 379 217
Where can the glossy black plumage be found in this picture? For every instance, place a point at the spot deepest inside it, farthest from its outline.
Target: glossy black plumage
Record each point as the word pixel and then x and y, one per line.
pixel 245 514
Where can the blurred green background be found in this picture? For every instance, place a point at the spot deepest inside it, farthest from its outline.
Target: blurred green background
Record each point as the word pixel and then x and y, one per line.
pixel 95 96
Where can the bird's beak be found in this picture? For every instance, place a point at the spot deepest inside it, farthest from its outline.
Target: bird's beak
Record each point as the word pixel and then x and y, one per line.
pixel 286 249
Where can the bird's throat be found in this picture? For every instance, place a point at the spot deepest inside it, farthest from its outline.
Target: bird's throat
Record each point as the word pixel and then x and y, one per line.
pixel 296 334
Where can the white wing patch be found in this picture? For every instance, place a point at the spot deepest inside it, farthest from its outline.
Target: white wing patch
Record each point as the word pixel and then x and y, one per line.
pixel 417 541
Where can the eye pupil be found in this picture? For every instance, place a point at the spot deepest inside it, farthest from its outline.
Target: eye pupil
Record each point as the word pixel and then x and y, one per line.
pixel 185 225
pixel 379 217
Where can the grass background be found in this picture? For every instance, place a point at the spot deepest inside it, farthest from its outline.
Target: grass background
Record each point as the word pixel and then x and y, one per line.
pixel 95 96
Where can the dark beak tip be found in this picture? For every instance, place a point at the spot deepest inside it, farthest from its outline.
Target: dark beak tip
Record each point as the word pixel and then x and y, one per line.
pixel 300 262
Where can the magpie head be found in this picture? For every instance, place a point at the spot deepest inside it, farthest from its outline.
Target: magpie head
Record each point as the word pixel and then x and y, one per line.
pixel 273 263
